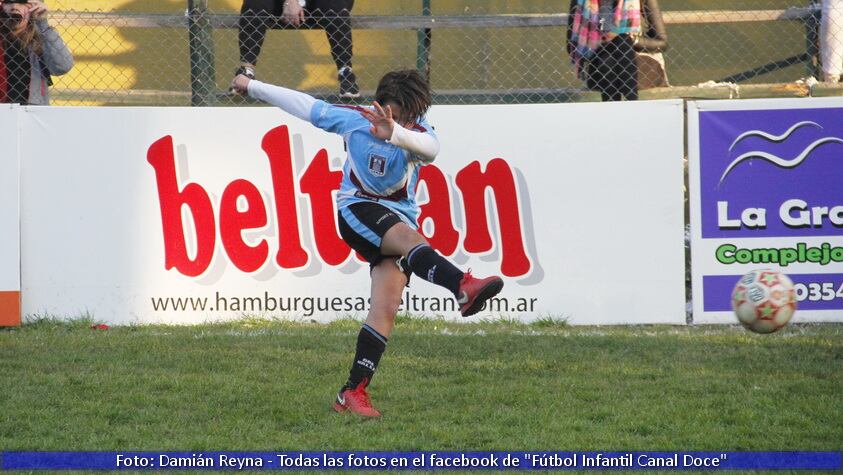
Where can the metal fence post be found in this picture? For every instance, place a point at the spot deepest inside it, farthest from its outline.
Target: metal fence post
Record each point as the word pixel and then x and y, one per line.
pixel 423 49
pixel 812 41
pixel 201 43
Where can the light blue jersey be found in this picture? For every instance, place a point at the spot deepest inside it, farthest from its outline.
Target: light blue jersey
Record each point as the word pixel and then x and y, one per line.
pixel 375 170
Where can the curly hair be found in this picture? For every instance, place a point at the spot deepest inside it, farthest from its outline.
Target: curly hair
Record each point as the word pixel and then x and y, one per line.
pixel 407 88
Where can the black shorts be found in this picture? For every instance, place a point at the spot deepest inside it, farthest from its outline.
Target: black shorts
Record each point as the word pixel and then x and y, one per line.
pixel 363 225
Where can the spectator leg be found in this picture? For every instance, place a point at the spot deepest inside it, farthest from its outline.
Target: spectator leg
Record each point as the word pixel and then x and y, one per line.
pixel 252 27
pixel 334 16
pixel 626 68
pixel 603 73
pixel 831 39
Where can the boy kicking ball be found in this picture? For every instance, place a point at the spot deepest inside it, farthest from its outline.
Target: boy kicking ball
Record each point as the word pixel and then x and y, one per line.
pixel 377 212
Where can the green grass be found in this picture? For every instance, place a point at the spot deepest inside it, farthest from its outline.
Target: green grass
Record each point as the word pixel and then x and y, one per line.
pixel 258 385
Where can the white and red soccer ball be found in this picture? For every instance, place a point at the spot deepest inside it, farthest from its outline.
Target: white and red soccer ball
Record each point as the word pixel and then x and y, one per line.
pixel 764 300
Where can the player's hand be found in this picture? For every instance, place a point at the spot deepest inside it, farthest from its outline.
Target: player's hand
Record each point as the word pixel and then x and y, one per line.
pixel 240 84
pixel 37 9
pixel 381 120
pixel 293 12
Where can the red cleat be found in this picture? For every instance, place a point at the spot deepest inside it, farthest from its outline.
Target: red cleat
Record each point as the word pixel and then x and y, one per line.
pixel 475 292
pixel 356 400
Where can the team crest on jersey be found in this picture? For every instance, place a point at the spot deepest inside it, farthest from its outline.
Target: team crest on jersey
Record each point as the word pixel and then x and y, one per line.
pixel 377 165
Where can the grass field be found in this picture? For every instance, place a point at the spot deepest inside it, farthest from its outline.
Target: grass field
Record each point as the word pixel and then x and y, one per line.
pixel 258 385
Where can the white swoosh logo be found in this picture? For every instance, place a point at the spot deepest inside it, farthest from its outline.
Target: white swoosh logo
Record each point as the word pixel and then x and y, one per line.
pixel 784 163
pixel 771 137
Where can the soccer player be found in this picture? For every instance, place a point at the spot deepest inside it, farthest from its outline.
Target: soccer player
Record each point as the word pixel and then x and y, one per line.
pixel 387 145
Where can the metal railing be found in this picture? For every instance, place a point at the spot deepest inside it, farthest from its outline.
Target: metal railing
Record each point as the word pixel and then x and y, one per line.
pixel 502 58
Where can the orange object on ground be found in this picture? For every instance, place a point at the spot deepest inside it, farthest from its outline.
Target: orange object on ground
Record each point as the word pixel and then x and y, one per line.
pixel 9 308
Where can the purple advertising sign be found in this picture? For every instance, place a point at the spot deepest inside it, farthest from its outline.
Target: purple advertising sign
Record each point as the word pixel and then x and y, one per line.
pixel 771 173
pixel 813 291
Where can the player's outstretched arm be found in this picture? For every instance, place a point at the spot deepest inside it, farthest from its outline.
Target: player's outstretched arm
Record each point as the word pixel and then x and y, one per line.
pixel 294 102
pixel 423 145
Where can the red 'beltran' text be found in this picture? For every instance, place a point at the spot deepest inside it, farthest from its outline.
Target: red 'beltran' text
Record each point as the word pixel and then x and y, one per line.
pixel 319 182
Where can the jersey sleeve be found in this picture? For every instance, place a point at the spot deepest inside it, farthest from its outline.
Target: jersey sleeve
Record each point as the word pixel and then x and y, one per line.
pixel 333 118
pixel 291 101
pixel 420 141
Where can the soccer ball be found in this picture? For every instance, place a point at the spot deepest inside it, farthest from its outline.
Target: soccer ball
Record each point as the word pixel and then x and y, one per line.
pixel 764 300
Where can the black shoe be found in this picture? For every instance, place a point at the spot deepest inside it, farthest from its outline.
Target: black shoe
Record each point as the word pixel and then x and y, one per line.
pixel 247 71
pixel 348 83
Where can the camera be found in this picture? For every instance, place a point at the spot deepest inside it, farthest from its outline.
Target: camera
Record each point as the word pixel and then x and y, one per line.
pixel 12 18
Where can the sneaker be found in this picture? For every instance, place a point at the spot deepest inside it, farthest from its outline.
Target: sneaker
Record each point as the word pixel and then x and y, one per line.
pixel 475 292
pixel 247 71
pixel 356 400
pixel 348 83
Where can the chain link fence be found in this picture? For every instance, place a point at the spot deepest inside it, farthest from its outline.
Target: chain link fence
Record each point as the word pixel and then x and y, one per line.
pixel 474 52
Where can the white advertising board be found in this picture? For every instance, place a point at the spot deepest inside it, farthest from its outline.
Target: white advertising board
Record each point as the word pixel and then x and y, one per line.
pixel 765 190
pixel 187 215
pixel 9 219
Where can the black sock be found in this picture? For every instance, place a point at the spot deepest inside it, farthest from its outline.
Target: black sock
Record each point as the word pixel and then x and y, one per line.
pixel 432 267
pixel 370 347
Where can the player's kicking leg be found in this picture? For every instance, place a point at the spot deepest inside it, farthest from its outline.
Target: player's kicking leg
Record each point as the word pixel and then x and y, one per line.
pixel 471 293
